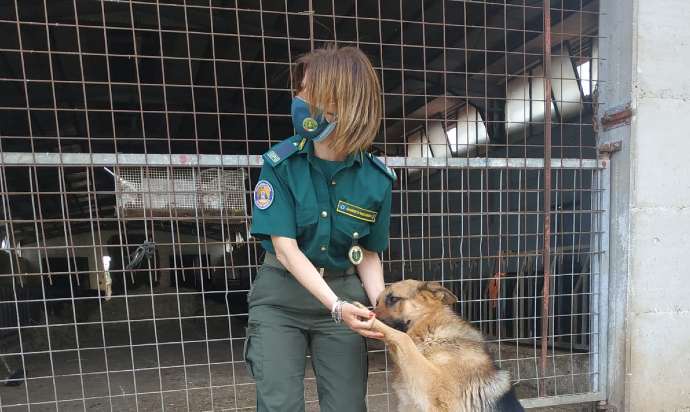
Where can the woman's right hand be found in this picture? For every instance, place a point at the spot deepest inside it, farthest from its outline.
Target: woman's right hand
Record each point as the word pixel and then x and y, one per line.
pixel 360 320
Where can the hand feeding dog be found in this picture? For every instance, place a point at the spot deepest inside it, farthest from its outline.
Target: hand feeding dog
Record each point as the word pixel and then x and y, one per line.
pixel 442 364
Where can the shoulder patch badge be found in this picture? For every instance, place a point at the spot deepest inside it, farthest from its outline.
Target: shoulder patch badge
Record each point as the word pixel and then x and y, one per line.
pixel 263 195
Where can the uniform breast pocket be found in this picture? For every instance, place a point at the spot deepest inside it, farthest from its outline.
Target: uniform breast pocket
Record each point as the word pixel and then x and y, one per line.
pixel 305 220
pixel 350 230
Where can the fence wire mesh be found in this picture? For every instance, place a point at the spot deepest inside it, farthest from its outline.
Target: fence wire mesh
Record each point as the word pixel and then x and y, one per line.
pixel 123 278
pixel 159 189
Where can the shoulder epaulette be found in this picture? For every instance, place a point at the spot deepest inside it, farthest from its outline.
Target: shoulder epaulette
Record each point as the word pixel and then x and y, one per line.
pixel 382 166
pixel 284 149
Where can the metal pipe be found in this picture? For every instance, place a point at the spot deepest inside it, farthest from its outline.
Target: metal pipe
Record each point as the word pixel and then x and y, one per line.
pixel 311 25
pixel 230 161
pixel 547 195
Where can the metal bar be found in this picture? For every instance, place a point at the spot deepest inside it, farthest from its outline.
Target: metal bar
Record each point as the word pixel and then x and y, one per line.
pixel 204 160
pixel 600 272
pixel 547 193
pixel 311 25
pixel 562 400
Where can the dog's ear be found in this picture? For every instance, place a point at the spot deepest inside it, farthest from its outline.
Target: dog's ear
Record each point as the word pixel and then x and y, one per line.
pixel 441 293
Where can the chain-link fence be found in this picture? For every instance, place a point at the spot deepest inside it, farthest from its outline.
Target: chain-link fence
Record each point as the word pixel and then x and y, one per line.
pixel 131 135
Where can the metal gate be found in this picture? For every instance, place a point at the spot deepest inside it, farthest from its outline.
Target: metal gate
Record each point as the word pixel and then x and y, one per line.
pixel 131 135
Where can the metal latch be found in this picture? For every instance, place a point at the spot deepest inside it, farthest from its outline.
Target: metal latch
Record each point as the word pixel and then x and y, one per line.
pixel 608 148
pixel 616 117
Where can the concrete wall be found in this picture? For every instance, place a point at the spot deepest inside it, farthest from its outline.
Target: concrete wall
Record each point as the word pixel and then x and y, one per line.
pixel 659 309
pixel 646 44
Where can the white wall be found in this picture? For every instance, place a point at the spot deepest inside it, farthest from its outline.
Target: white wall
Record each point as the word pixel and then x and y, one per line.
pixel 658 313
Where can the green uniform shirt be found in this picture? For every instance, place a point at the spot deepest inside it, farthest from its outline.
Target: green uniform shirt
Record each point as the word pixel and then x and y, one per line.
pixel 294 199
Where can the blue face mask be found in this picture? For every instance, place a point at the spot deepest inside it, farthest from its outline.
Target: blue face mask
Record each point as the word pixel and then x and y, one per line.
pixel 316 128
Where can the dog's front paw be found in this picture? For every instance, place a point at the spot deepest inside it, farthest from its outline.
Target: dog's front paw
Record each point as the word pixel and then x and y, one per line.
pixel 389 334
pixel 359 305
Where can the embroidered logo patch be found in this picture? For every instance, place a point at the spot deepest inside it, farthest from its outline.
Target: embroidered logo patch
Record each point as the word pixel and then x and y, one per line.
pixel 356 211
pixel 263 195
pixel 309 124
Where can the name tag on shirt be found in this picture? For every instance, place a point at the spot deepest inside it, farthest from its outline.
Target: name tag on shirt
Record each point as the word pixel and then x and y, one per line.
pixel 356 212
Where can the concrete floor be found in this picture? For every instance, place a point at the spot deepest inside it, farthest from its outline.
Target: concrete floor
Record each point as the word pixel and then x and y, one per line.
pixel 215 377
pixel 232 386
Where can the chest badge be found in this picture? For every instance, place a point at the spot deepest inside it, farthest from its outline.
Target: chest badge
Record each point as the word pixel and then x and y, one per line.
pixel 263 195
pixel 355 254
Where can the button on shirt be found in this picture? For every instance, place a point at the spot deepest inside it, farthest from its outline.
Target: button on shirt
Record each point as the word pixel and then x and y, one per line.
pixel 326 206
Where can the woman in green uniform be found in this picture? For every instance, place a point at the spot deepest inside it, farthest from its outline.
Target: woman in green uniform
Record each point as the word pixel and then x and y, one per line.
pixel 322 213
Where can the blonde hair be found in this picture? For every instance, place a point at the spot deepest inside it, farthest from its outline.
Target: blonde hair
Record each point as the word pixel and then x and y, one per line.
pixel 345 77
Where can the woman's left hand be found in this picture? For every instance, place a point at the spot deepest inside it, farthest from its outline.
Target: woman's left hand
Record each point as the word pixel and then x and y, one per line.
pixel 360 320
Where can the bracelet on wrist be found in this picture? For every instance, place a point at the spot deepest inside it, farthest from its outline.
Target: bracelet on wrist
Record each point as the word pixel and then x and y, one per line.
pixel 337 311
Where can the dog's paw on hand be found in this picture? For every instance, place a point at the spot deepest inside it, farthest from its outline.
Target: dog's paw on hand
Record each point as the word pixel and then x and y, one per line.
pixel 377 325
pixel 389 333
pixel 366 328
pixel 361 306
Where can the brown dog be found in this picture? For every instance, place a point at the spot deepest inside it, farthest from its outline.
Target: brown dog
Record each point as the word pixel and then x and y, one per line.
pixel 441 361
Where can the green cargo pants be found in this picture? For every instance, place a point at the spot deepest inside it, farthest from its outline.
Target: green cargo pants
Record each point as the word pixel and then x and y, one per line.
pixel 284 321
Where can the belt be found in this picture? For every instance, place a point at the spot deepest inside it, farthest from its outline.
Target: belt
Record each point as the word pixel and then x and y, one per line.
pixel 271 260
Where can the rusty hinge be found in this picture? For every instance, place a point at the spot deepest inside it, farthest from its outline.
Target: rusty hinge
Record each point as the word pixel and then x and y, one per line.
pixel 605 149
pixel 616 117
pixel 608 148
